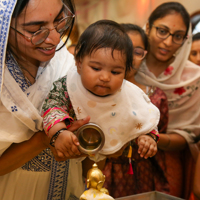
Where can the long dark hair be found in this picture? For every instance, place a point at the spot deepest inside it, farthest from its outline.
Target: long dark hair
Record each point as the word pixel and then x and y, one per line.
pixel 105 34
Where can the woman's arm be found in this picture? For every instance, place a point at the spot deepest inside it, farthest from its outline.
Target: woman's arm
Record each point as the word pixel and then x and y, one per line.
pixel 167 142
pixel 18 154
pixel 196 184
pixel 172 142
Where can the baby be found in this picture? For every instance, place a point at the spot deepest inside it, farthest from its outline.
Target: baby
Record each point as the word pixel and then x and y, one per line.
pixel 97 88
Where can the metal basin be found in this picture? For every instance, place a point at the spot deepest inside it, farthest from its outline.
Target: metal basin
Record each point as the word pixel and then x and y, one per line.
pixel 150 196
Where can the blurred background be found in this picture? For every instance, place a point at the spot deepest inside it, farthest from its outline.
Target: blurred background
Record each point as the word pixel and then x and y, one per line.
pixel 125 11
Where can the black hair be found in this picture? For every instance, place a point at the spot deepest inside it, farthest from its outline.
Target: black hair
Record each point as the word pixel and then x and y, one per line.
pixel 135 28
pixel 105 34
pixel 22 4
pixel 196 37
pixel 169 8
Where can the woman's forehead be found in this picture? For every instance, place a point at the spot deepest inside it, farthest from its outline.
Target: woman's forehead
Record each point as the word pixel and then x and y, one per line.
pixel 173 21
pixel 38 9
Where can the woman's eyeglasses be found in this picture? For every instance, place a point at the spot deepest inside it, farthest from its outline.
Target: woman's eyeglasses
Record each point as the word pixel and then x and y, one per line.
pixel 139 53
pixel 40 36
pixel 163 33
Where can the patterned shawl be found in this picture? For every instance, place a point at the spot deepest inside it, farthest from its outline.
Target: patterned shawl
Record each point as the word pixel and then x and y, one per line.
pixel 6 9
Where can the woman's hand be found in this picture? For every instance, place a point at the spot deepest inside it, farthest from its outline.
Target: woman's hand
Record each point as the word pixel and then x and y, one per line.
pixel 147 147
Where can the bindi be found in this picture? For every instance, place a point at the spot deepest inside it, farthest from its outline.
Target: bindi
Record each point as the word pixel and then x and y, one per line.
pixel 50 14
pixel 174 25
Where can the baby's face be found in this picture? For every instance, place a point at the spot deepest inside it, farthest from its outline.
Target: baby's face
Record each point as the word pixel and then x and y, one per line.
pixel 102 73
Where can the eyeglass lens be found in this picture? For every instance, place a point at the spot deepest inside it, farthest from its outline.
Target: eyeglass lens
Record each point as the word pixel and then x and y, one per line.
pixel 61 26
pixel 177 37
pixel 40 36
pixel 64 24
pixel 139 53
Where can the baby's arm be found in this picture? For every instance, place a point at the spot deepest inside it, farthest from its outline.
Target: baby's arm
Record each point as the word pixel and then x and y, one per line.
pixel 57 111
pixel 64 141
pixel 147 144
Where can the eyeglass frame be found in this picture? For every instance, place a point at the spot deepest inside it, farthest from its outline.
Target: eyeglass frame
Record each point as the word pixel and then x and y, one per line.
pixel 145 52
pixel 29 39
pixel 156 27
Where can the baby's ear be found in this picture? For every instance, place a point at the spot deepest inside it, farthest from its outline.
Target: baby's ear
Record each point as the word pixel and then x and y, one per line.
pixel 78 65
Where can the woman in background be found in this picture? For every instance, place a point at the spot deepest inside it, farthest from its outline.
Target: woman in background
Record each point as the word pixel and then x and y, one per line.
pixel 195 49
pixel 166 66
pixel 195 58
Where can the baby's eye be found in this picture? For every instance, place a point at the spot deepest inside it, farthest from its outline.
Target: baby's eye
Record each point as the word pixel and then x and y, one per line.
pixel 95 69
pixel 115 73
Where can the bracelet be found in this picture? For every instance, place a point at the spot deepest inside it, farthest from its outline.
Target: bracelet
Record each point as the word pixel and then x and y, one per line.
pixel 152 136
pixel 155 135
pixel 154 132
pixel 55 136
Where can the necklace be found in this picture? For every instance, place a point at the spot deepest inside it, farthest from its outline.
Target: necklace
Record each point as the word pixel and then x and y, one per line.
pixel 27 71
pixel 22 70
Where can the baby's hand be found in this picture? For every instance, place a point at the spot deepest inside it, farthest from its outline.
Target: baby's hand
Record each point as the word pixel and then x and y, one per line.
pixel 66 145
pixel 147 147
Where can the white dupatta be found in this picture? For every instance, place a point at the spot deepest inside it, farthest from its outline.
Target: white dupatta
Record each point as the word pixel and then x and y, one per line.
pixel 181 83
pixel 20 111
